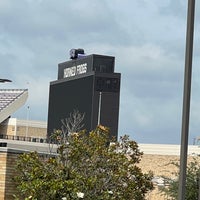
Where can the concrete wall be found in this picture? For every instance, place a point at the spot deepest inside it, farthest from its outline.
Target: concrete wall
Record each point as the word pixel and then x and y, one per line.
pixel 7 129
pixel 25 128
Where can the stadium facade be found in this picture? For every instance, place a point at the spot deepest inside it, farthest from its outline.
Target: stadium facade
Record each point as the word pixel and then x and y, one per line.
pixel 87 84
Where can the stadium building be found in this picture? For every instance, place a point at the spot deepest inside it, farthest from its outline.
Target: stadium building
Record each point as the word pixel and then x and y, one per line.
pixel 87 84
pixel 16 129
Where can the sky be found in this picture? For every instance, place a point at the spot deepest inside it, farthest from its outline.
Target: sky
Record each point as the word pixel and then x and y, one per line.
pixel 147 39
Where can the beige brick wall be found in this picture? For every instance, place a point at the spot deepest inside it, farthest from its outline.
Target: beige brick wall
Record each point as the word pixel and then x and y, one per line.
pixel 8 160
pixel 160 165
pixel 10 171
pixel 14 127
pixel 7 130
pixel 31 132
pixel 3 158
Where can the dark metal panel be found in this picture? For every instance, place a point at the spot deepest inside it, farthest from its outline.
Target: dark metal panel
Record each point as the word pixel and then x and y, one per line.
pixel 109 111
pixel 99 63
pixel 66 96
pixel 82 91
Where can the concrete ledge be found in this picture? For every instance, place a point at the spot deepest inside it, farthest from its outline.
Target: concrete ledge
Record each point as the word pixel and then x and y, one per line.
pixel 165 149
pixel 153 149
pixel 24 146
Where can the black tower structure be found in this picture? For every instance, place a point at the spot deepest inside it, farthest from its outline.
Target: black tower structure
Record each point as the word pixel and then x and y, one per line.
pixel 90 85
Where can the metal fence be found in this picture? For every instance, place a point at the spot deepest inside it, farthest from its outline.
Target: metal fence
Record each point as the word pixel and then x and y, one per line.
pixel 23 138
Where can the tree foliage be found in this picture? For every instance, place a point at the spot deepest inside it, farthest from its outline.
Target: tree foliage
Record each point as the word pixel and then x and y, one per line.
pixel 87 166
pixel 192 182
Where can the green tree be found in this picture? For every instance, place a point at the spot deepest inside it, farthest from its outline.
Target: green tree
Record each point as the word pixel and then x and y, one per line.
pixel 192 181
pixel 87 166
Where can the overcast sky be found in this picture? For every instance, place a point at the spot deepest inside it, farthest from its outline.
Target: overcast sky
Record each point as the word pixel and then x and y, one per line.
pixel 147 38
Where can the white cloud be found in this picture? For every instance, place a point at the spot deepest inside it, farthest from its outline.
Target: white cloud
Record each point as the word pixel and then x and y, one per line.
pixel 147 39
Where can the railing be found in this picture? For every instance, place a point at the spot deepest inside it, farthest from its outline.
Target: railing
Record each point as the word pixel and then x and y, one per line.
pixel 23 138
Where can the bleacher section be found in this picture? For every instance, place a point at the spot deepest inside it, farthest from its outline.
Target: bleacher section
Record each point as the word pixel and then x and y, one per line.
pixel 10 101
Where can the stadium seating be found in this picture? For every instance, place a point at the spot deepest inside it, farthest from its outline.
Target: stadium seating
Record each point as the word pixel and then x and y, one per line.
pixel 10 101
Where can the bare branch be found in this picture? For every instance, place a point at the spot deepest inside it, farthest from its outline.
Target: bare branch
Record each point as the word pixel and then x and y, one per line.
pixel 73 123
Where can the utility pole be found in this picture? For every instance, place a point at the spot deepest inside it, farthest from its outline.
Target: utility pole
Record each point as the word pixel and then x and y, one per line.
pixel 27 122
pixel 186 99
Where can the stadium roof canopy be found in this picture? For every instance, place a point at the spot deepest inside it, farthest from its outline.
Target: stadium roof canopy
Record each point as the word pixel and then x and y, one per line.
pixel 10 101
